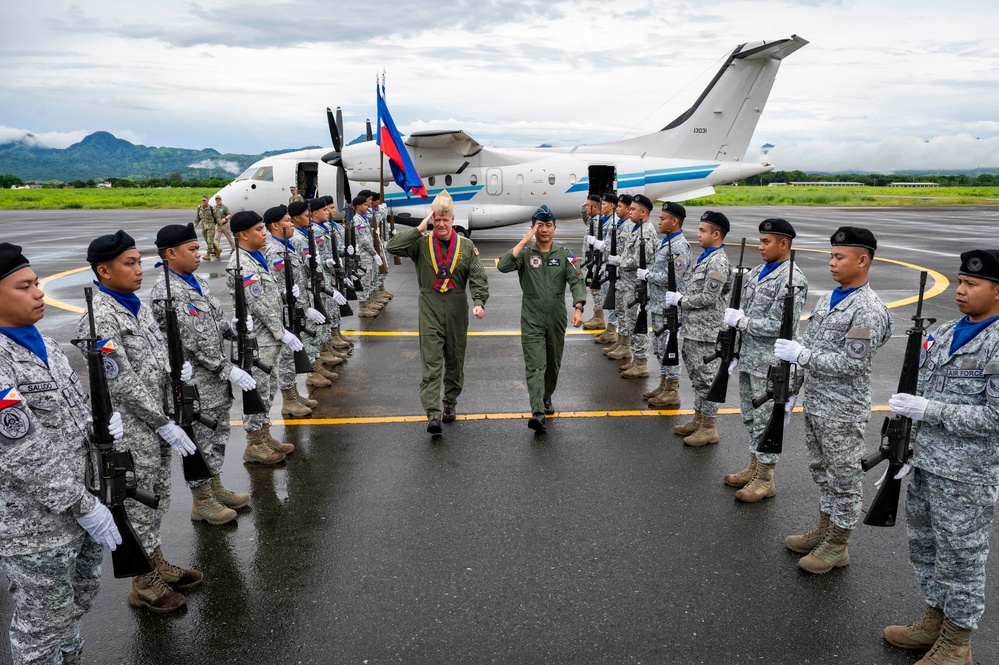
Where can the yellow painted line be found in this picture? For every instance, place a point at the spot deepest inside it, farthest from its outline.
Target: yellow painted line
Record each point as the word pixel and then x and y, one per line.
pixel 58 303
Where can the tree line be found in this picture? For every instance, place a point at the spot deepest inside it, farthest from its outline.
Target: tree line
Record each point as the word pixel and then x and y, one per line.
pixel 875 179
pixel 174 180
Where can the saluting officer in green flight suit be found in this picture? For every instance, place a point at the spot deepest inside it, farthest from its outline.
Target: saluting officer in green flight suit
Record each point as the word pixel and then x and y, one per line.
pixel 544 268
pixel 445 264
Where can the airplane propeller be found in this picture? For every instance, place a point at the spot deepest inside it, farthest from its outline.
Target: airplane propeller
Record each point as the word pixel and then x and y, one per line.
pixel 371 137
pixel 333 159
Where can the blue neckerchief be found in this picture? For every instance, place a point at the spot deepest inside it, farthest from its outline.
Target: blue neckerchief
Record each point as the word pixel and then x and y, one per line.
pixel 706 253
pixel 669 236
pixel 335 225
pixel 286 243
pixel 636 227
pixel 302 231
pixel 769 268
pixel 129 301
pixel 259 257
pixel 839 293
pixel 325 228
pixel 29 338
pixel 190 279
pixel 965 331
pixel 621 221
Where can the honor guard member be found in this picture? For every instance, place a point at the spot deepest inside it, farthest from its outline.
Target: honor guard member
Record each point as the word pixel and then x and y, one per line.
pixel 621 349
pixel 264 293
pixel 667 394
pixel 46 512
pixel 642 232
pixel 590 214
pixel 341 344
pixel 223 216
pixel 282 236
pixel 545 269
pixel 702 307
pixel 205 215
pixel 302 223
pixel 295 196
pixel 314 212
pixel 759 324
pixel 952 492
pixel 205 334
pixel 367 257
pixel 137 374
pixel 380 213
pixel 446 263
pixel 845 330
pixel 608 202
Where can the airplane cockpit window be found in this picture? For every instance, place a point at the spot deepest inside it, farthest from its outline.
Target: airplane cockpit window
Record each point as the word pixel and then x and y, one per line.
pixel 264 173
pixel 245 175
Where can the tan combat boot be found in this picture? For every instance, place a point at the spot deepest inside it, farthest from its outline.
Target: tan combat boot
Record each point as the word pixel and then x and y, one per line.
pixel 669 398
pixel 226 497
pixel 366 311
pixel 327 374
pixel 625 367
pixel 76 661
pixel 811 539
pixel 178 578
pixel 921 635
pixel 761 486
pixel 649 394
pixel 689 427
pixel 339 341
pixel 831 553
pixel 206 507
pixel 383 293
pixel 290 406
pixel 639 369
pixel 302 399
pixel 742 478
pixel 608 336
pixel 595 322
pixel 623 349
pixel 705 434
pixel 315 377
pixel 258 452
pixel 276 445
pixel 150 592
pixel 952 648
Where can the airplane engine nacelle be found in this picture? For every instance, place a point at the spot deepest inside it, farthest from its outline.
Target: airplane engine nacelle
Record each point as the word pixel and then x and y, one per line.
pixel 498 215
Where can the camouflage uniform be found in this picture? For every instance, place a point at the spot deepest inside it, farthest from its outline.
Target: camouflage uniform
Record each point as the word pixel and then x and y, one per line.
pixel 379 217
pixel 591 222
pixel 323 330
pixel 366 256
pixel 204 332
pixel 763 304
pixel 53 566
pixel 325 246
pixel 622 229
pixel 264 303
pixel 839 349
pixel 274 250
pixel 610 228
pixel 627 284
pixel 205 215
pixel 136 380
pixel 658 280
pixel 952 492
pixel 222 228
pixel 702 310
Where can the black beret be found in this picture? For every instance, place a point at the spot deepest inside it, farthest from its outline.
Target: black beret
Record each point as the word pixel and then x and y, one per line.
pixel 643 200
pixel 778 227
pixel 716 218
pixel 983 263
pixel 275 214
pixel 364 193
pixel 594 198
pixel 375 196
pixel 610 198
pixel 174 235
pixel 626 199
pixel 360 199
pixel 853 236
pixel 244 220
pixel 327 200
pixel 108 247
pixel 675 209
pixel 11 259
pixel 543 214
pixel 296 208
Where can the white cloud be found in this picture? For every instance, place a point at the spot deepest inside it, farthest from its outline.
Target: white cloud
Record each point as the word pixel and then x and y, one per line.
pixel 228 167
pixel 41 139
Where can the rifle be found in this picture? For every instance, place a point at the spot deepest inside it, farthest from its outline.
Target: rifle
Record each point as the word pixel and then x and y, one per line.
pixel 294 314
pixel 342 285
pixel 318 288
pixel 351 260
pixel 728 341
pixel 896 432
pixel 117 480
pixel 243 352
pixel 590 259
pixel 181 400
pixel 610 301
pixel 672 313
pixel 780 386
pixel 642 291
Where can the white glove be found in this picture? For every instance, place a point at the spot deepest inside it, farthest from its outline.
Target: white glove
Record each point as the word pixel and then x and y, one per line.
pixel 241 379
pixel 292 342
pixel 338 298
pixel 910 406
pixel 383 206
pixel 902 473
pixel 732 365
pixel 330 263
pixel 350 250
pixel 733 316
pixel 672 298
pixel 642 274
pixel 295 291
pixel 378 261
pixel 99 523
pixel 186 371
pixel 599 245
pixel 590 240
pixel 249 323
pixel 115 428
pixel 788 349
pixel 173 434
pixel 315 316
pixel 788 408
pixel 613 260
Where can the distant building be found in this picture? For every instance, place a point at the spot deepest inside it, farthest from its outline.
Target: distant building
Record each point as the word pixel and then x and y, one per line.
pixel 913 184
pixel 104 185
pixel 819 184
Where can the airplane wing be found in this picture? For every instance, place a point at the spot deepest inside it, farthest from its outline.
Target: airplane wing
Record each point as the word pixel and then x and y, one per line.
pixel 457 140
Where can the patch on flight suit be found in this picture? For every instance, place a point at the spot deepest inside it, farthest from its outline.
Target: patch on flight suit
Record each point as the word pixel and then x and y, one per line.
pixel 535 261
pixel 476 250
pixel 554 261
pixel 858 341
pixel 14 425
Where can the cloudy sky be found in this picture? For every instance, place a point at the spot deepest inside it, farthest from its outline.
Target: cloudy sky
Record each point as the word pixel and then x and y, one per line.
pixel 883 85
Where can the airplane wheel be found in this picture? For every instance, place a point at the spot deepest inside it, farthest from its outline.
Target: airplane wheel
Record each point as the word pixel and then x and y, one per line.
pixel 463 231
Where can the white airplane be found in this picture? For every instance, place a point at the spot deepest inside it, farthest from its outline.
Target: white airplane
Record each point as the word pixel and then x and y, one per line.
pixel 494 187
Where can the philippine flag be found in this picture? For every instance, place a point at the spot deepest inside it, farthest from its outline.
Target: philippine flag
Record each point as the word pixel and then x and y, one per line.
pixel 192 310
pixel 107 346
pixel 388 137
pixel 572 258
pixel 9 397
pixel 277 266
pixel 251 279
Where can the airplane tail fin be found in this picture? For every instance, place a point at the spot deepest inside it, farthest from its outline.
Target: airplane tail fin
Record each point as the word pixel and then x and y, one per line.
pixel 721 122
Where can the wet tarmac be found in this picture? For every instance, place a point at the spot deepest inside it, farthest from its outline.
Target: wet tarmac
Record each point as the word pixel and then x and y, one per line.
pixel 603 540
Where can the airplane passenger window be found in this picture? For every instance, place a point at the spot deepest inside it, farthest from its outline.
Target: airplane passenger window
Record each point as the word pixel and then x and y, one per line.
pixel 432 180
pixel 264 173
pixel 447 181
pixel 473 179
pixel 520 178
pixel 551 178
pixel 572 178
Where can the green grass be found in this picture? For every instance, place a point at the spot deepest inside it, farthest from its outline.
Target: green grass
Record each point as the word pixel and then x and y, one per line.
pixel 101 199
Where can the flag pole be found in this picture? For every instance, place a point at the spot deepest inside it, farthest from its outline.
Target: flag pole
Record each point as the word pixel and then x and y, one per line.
pixel 396 260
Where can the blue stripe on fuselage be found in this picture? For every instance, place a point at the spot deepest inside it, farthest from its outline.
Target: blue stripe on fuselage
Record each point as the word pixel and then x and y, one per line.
pixel 458 194
pixel 633 180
